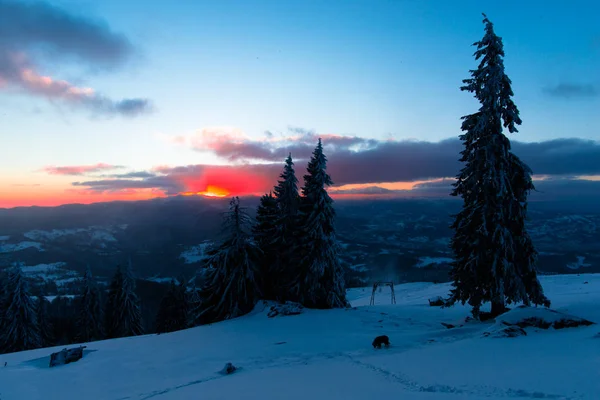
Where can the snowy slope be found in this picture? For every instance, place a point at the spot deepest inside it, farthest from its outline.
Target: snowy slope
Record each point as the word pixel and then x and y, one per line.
pixel 326 354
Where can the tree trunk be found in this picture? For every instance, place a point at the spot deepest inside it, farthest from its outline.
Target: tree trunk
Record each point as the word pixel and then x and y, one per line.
pixel 498 307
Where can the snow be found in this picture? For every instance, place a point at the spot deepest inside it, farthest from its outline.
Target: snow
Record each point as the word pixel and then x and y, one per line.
pixel 3 238
pixel 158 279
pixel 53 271
pixel 95 233
pixel 359 267
pixel 427 261
pixel 580 263
pixel 13 247
pixel 195 253
pixel 327 354
pixel 51 299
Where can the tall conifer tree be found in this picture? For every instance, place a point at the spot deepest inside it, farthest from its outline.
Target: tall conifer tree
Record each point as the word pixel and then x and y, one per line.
pixel 287 233
pixel 494 256
pixel 320 281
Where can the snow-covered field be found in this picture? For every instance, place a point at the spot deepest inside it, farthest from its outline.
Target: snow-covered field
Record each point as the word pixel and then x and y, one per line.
pixel 55 272
pixel 13 247
pixel 327 354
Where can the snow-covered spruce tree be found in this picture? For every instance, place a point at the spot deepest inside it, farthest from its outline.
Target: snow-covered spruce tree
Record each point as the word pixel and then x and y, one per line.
pixel 320 279
pixel 494 256
pixel 173 310
pixel 122 315
pixel 287 234
pixel 89 319
pixel 265 235
pixel 20 329
pixel 232 289
pixel 46 329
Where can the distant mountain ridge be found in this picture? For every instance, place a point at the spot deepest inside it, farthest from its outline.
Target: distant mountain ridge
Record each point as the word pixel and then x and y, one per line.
pixel 399 240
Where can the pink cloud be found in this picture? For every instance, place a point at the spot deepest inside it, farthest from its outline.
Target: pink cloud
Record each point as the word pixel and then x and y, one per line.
pixel 80 169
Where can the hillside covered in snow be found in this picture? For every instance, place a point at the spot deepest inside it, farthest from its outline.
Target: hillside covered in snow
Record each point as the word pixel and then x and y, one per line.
pixel 327 354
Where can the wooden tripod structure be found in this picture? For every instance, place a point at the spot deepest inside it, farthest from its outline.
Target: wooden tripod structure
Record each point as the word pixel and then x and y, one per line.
pixel 378 284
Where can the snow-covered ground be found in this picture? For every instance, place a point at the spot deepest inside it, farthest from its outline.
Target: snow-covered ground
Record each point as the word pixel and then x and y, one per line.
pixel 13 247
pixel 95 233
pixel 427 261
pixel 55 272
pixel 195 253
pixel 580 263
pixel 327 354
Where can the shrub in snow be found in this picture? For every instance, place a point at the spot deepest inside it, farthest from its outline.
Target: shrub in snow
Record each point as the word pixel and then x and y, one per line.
pixel 506 332
pixel 437 301
pixel 494 255
pixel 289 308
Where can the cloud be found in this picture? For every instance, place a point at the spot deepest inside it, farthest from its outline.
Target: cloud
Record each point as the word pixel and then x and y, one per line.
pixel 192 179
pixel 572 90
pixel 233 145
pixel 428 167
pixel 354 160
pixel 34 33
pixel 80 169
pixel 135 174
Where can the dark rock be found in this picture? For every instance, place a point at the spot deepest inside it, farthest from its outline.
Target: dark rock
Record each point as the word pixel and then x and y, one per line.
pixel 228 369
pixel 288 308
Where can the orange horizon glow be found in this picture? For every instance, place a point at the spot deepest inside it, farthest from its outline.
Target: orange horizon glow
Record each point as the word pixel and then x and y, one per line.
pixel 213 183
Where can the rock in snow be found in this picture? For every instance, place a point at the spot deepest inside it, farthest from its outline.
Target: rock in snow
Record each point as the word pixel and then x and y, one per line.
pixel 514 322
pixel 289 308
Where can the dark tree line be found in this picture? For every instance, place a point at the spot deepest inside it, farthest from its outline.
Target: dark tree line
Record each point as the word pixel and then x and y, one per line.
pixel 29 322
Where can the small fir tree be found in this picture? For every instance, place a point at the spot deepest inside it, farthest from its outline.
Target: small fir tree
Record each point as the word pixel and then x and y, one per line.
pixel 494 255
pixel 20 329
pixel 173 310
pixel 320 281
pixel 232 288
pixel 46 329
pixel 122 315
pixel 265 234
pixel 89 321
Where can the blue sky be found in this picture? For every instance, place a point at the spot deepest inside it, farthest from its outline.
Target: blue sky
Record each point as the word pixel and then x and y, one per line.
pixel 374 69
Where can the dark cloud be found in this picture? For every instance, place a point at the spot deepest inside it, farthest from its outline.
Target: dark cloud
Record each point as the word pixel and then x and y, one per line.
pixel 374 162
pixel 166 184
pixel 32 34
pixel 353 159
pixel 136 174
pixel 42 26
pixel 572 90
